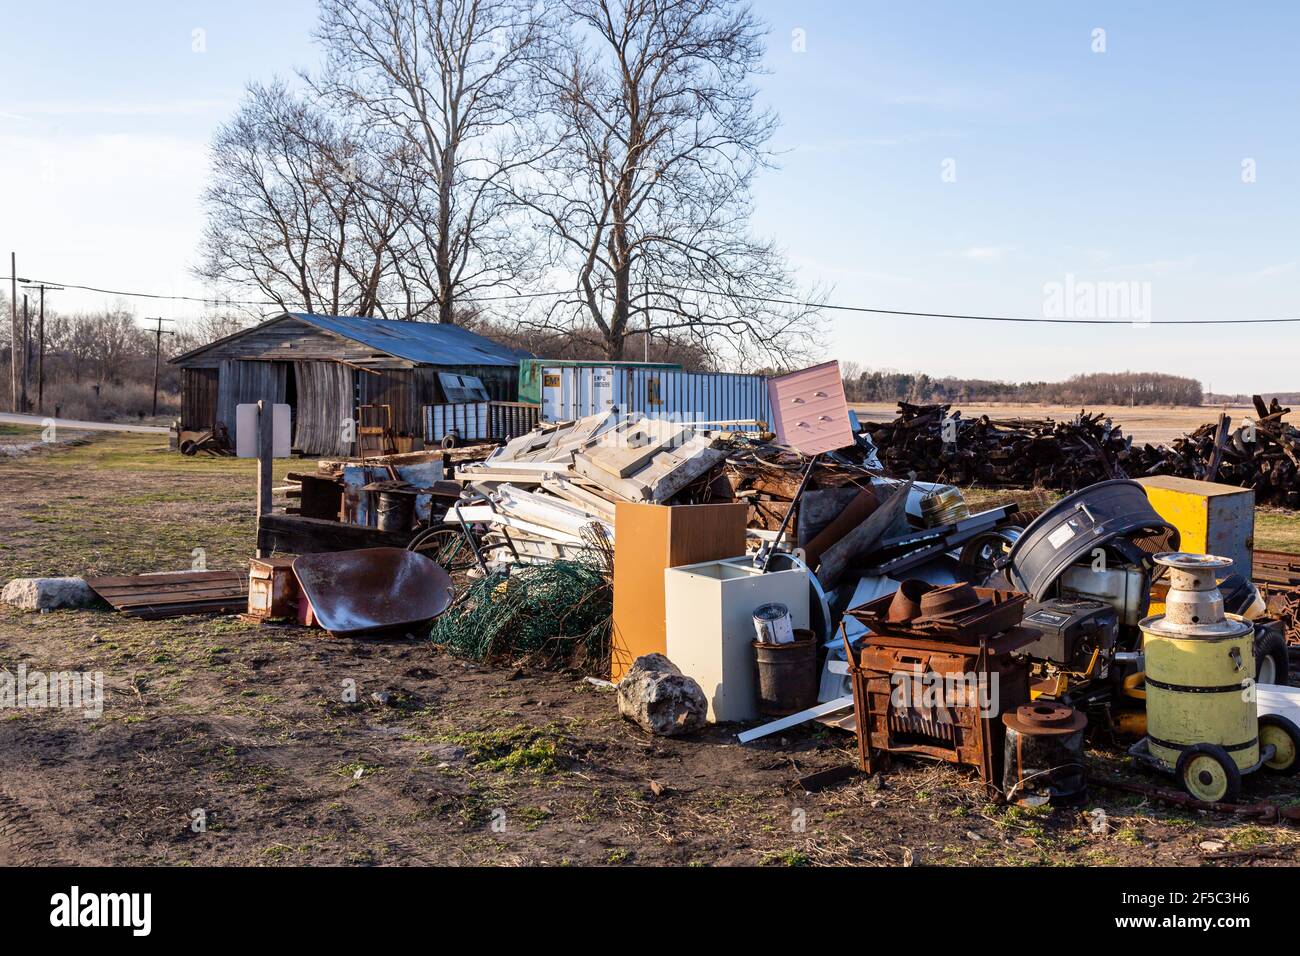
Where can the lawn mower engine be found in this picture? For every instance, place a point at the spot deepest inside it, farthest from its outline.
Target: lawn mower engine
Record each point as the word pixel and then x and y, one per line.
pixel 1076 647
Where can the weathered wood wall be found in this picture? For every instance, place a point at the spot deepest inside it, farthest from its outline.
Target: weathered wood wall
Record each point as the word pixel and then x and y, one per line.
pixel 198 398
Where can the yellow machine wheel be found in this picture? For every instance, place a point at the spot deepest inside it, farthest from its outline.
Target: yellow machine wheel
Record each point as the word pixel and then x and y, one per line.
pixel 1285 737
pixel 1208 773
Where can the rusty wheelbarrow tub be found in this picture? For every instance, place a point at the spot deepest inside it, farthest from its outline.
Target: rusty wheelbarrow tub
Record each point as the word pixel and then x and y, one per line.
pixel 373 590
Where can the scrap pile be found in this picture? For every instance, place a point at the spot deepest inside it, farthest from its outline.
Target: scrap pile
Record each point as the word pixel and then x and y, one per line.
pixel 928 441
pixel 1263 454
pixel 541 491
pixel 1278 575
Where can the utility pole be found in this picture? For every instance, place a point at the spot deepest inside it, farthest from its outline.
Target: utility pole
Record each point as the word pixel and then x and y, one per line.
pixel 40 354
pixel 27 341
pixel 158 333
pixel 13 347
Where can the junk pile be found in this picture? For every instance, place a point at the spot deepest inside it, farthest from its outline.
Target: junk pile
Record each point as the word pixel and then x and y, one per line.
pixel 1263 454
pixel 936 444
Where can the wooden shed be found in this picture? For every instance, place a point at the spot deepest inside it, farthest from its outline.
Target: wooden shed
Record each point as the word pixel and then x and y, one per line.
pixel 325 367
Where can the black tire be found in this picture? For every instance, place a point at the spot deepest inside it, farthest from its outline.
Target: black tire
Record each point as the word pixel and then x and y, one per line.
pixel 1283 733
pixel 1200 779
pixel 1271 654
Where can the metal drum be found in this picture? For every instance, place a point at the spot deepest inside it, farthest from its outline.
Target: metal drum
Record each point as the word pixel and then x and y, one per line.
pixel 1044 756
pixel 1201 720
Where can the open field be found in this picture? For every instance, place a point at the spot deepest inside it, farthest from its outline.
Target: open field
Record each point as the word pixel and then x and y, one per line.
pixel 437 760
pixel 1156 424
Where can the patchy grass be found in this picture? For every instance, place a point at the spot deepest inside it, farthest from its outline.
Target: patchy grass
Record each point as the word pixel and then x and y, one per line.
pixel 1277 530
pixel 249 723
pixel 514 748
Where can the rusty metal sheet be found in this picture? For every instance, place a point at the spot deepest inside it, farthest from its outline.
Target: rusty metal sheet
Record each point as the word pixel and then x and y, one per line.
pixel 809 410
pixel 373 589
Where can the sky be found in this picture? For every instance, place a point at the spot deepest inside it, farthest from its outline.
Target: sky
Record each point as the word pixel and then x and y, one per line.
pixel 1112 160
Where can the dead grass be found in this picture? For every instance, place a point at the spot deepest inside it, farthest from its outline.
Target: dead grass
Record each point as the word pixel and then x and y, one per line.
pixel 458 764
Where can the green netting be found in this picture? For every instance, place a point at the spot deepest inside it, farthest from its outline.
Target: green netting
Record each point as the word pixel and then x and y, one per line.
pixel 555 614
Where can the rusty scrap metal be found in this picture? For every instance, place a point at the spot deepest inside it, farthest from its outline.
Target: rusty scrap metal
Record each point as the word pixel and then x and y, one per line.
pixel 1264 812
pixel 373 590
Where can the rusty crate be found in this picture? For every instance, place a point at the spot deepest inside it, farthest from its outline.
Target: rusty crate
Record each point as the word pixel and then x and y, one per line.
pixel 272 588
pixel 955 730
pixel 1005 610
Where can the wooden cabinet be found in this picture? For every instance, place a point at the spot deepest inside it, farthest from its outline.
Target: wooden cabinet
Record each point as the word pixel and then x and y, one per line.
pixel 649 539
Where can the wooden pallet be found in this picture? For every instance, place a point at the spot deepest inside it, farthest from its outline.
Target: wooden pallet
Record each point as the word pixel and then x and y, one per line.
pixel 155 596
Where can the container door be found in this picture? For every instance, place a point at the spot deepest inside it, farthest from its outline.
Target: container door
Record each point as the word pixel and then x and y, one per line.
pixel 552 395
pixel 602 390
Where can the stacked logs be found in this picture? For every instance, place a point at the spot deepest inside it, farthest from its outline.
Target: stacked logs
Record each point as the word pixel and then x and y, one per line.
pixel 1263 454
pixel 940 445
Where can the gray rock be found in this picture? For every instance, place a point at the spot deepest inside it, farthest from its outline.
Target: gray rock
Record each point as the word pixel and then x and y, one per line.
pixel 41 594
pixel 448 753
pixel 660 698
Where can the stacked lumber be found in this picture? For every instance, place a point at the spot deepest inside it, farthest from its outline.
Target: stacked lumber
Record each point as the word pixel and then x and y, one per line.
pixel 1263 454
pixel 549 494
pixel 155 596
pixel 936 444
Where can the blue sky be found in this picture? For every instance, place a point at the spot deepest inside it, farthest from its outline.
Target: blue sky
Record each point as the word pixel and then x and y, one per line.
pixel 1122 166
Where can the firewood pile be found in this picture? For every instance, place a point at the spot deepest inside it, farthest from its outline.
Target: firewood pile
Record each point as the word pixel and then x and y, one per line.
pixel 938 445
pixel 1263 454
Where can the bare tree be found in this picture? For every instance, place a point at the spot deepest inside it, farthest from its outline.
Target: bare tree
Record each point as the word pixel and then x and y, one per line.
pixel 647 196
pixel 441 80
pixel 111 338
pixel 206 328
pixel 300 207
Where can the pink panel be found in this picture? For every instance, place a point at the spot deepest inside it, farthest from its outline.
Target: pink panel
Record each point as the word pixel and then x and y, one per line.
pixel 809 409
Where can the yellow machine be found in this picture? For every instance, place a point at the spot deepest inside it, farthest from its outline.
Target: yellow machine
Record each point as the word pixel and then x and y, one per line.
pixel 1202 721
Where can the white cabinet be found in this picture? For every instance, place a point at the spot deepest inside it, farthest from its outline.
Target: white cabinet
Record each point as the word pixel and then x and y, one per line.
pixel 710 626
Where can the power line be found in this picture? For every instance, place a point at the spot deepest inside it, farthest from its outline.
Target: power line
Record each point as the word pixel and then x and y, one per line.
pixel 770 300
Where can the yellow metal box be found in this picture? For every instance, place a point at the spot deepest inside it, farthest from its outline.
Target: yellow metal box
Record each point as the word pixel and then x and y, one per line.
pixel 1211 518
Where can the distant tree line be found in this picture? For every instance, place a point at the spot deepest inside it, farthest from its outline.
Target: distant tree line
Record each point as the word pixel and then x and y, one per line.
pixel 99 362
pixel 1110 388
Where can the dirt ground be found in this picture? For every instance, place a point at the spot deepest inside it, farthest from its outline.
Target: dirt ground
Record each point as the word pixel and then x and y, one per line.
pixel 1157 424
pixel 252 732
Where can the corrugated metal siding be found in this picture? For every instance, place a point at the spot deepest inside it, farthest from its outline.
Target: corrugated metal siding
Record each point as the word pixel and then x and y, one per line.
pixel 531 371
pixel 574 392
pixel 323 400
pixel 469 420
pixel 199 387
pixel 245 382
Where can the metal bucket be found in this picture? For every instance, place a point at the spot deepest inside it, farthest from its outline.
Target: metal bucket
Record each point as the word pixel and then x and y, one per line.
pixel 772 624
pixel 396 511
pixel 787 675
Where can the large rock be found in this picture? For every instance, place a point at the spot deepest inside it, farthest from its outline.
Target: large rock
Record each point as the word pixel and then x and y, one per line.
pixel 41 594
pixel 661 698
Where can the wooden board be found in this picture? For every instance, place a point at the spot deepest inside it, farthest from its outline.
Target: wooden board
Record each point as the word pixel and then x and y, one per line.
pixel 156 596
pixel 647 539
pixel 294 534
